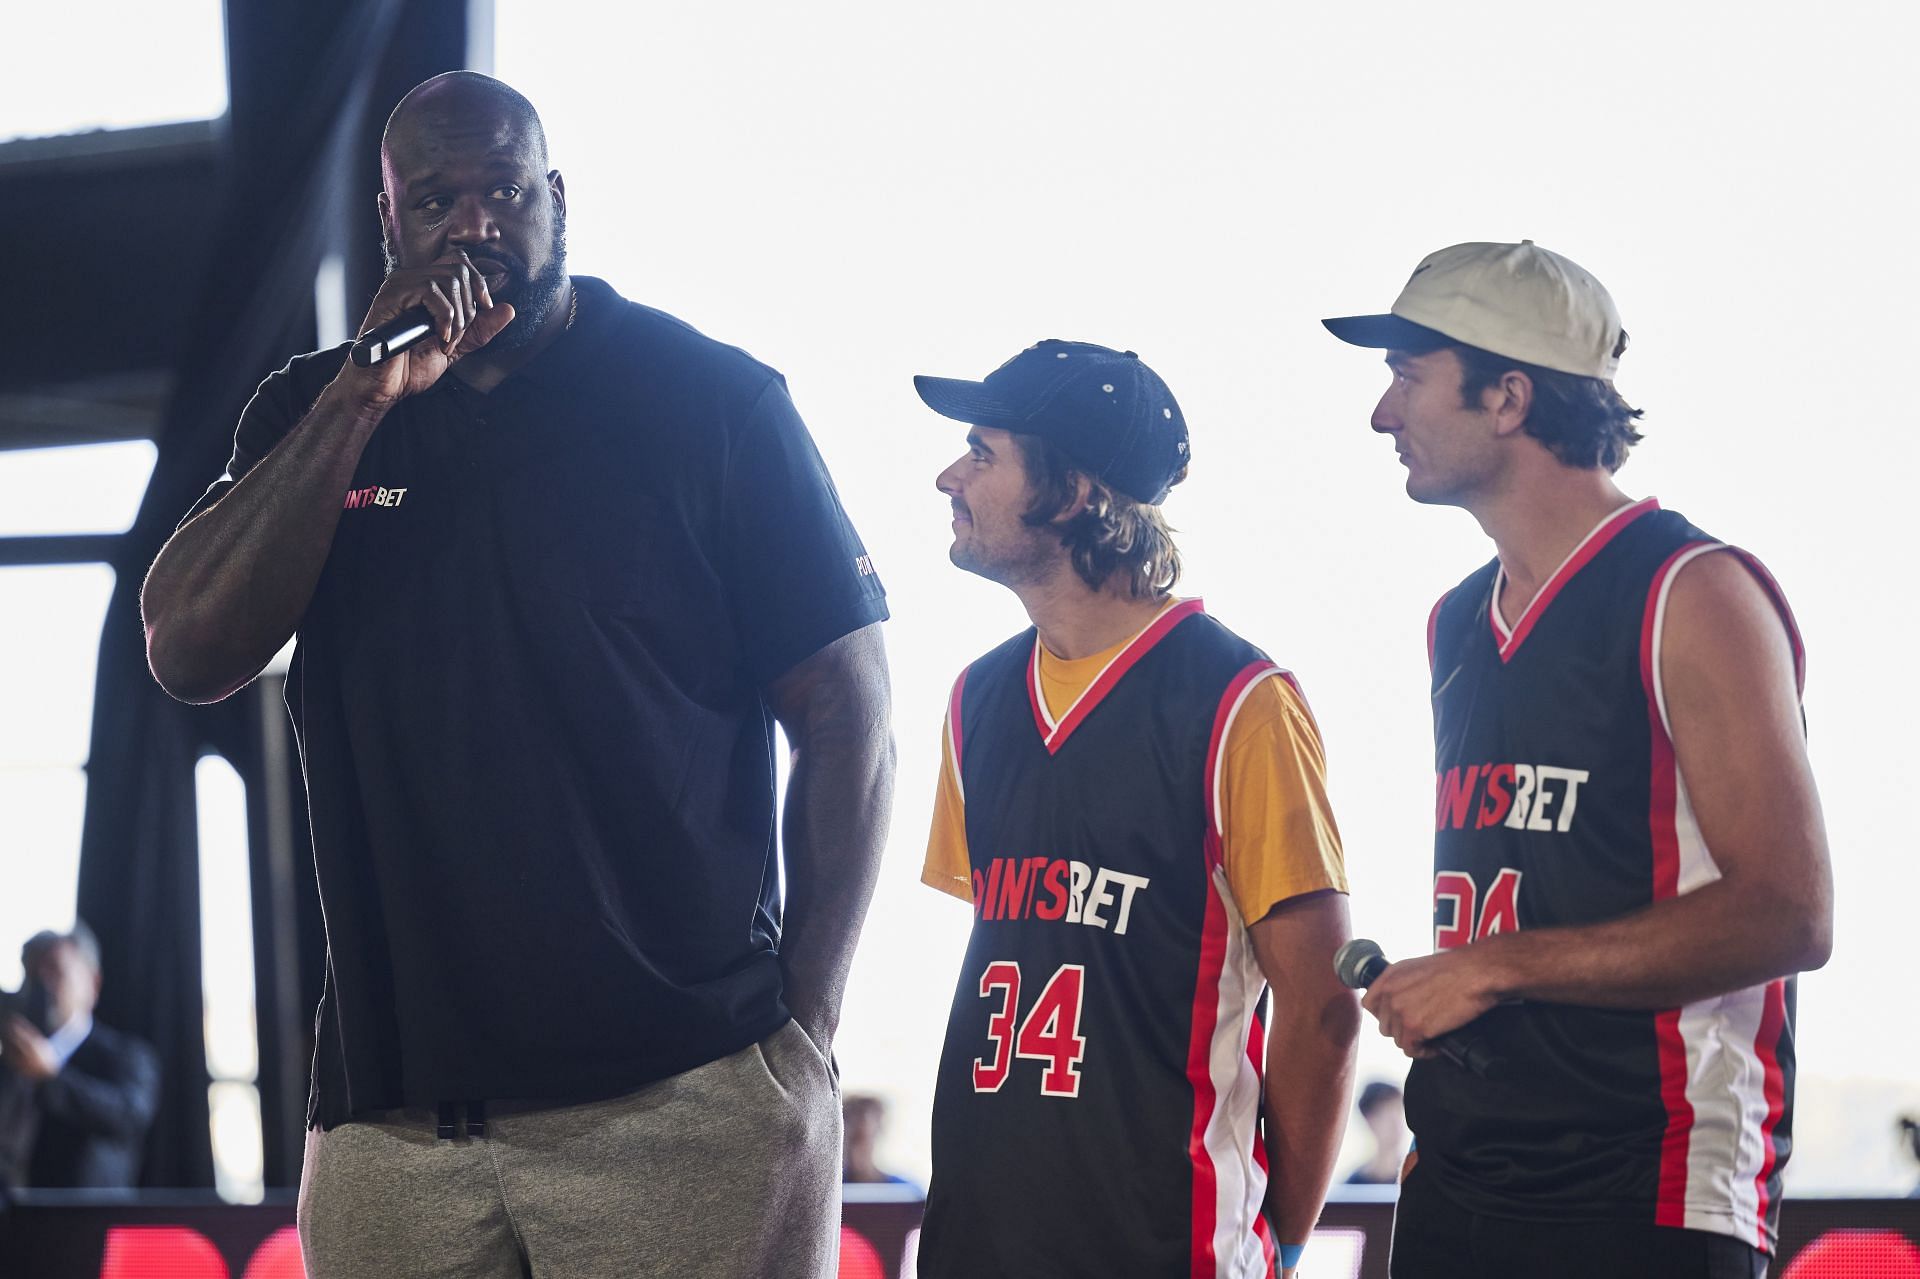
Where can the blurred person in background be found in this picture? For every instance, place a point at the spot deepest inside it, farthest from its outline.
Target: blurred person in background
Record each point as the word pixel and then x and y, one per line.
pixel 864 1117
pixel 1382 1109
pixel 76 1096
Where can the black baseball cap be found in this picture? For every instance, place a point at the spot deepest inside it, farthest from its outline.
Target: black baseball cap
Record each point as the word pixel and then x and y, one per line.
pixel 1108 412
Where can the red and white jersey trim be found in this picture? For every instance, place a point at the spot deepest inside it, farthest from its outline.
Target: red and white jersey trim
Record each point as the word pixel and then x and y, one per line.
pixel 1230 1235
pixel 1225 1059
pixel 1055 732
pixel 953 734
pixel 1236 697
pixel 1509 638
pixel 1721 1078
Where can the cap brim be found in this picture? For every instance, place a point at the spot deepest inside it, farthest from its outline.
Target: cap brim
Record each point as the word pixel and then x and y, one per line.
pixel 963 401
pixel 1384 332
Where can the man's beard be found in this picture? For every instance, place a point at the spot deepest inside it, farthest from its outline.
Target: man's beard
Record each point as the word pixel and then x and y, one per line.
pixel 532 296
pixel 1032 563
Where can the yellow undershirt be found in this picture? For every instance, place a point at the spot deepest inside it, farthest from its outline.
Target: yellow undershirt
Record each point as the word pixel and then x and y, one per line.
pixel 1279 838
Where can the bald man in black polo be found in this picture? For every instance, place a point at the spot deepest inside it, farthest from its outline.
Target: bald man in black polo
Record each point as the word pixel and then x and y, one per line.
pixel 554 573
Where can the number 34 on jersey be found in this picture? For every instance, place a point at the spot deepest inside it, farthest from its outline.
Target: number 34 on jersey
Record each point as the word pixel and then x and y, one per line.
pixel 1463 912
pixel 1050 1031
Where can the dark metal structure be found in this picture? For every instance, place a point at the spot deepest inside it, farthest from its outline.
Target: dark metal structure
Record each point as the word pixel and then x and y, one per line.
pixel 156 276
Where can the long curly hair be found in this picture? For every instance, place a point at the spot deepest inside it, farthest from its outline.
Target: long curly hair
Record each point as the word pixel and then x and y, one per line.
pixel 1113 534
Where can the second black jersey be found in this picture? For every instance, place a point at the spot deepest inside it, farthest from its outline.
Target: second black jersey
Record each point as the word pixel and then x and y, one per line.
pixel 1098 1103
pixel 1558 801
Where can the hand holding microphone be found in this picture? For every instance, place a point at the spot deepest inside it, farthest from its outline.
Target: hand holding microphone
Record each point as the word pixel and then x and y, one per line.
pixel 1421 991
pixel 422 320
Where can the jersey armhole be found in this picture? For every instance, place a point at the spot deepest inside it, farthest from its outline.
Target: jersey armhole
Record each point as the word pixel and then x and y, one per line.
pixel 1433 627
pixel 1653 622
pixel 1235 696
pixel 954 738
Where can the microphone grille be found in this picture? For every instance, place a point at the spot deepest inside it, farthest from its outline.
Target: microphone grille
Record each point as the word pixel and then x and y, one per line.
pixel 1351 961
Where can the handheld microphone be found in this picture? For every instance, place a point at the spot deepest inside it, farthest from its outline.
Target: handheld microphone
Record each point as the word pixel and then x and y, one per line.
pixel 384 341
pixel 1359 964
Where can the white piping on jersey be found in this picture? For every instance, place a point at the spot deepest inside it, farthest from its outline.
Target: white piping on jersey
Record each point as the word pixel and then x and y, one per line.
pixel 1040 692
pixel 1226 735
pixel 1500 577
pixel 953 755
pixel 1660 627
pixel 1240 1186
pixel 1697 867
pixel 1727 1088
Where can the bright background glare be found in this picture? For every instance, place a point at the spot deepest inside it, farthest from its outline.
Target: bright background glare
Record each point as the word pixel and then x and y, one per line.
pixel 856 192
pixel 110 64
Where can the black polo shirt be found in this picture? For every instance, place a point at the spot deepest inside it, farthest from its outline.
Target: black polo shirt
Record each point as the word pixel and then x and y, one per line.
pixel 527 694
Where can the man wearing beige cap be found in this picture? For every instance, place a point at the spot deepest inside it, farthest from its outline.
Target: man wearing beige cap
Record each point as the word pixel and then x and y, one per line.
pixel 1630 862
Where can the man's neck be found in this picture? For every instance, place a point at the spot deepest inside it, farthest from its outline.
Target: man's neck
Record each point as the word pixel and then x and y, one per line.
pixel 1538 521
pixel 483 372
pixel 1076 621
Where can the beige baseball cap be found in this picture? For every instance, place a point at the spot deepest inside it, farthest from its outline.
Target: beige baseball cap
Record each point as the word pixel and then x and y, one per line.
pixel 1518 300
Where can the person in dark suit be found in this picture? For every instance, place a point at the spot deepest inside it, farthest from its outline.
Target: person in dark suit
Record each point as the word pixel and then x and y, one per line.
pixel 76 1097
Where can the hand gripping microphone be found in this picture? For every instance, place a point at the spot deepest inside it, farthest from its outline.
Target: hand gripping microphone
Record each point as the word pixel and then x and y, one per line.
pixel 384 341
pixel 1359 964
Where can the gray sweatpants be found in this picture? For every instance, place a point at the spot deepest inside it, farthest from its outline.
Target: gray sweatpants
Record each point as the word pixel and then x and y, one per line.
pixel 729 1170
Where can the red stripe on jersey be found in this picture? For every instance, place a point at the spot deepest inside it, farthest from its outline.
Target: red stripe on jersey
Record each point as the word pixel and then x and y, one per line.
pixel 1595 542
pixel 1206 1012
pixel 1218 742
pixel 1257 1054
pixel 1670 1205
pixel 1670 1208
pixel 1206 1004
pixel 1056 735
pixel 1773 1020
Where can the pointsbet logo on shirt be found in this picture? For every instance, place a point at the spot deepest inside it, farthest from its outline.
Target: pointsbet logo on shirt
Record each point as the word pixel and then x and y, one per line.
pixel 1538 797
pixel 1053 888
pixel 374 495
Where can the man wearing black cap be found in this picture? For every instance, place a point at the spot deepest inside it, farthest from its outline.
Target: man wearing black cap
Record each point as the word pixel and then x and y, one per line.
pixel 1133 800
pixel 1630 862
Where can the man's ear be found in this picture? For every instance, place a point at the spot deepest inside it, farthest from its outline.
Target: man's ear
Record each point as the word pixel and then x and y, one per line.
pixel 557 187
pixel 1509 400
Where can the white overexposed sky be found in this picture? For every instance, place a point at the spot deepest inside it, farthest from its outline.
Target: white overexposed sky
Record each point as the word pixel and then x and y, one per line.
pixel 856 192
pixel 110 64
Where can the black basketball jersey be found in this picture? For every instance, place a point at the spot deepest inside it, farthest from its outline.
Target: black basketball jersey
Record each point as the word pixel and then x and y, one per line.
pixel 1558 802
pixel 1097 1111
